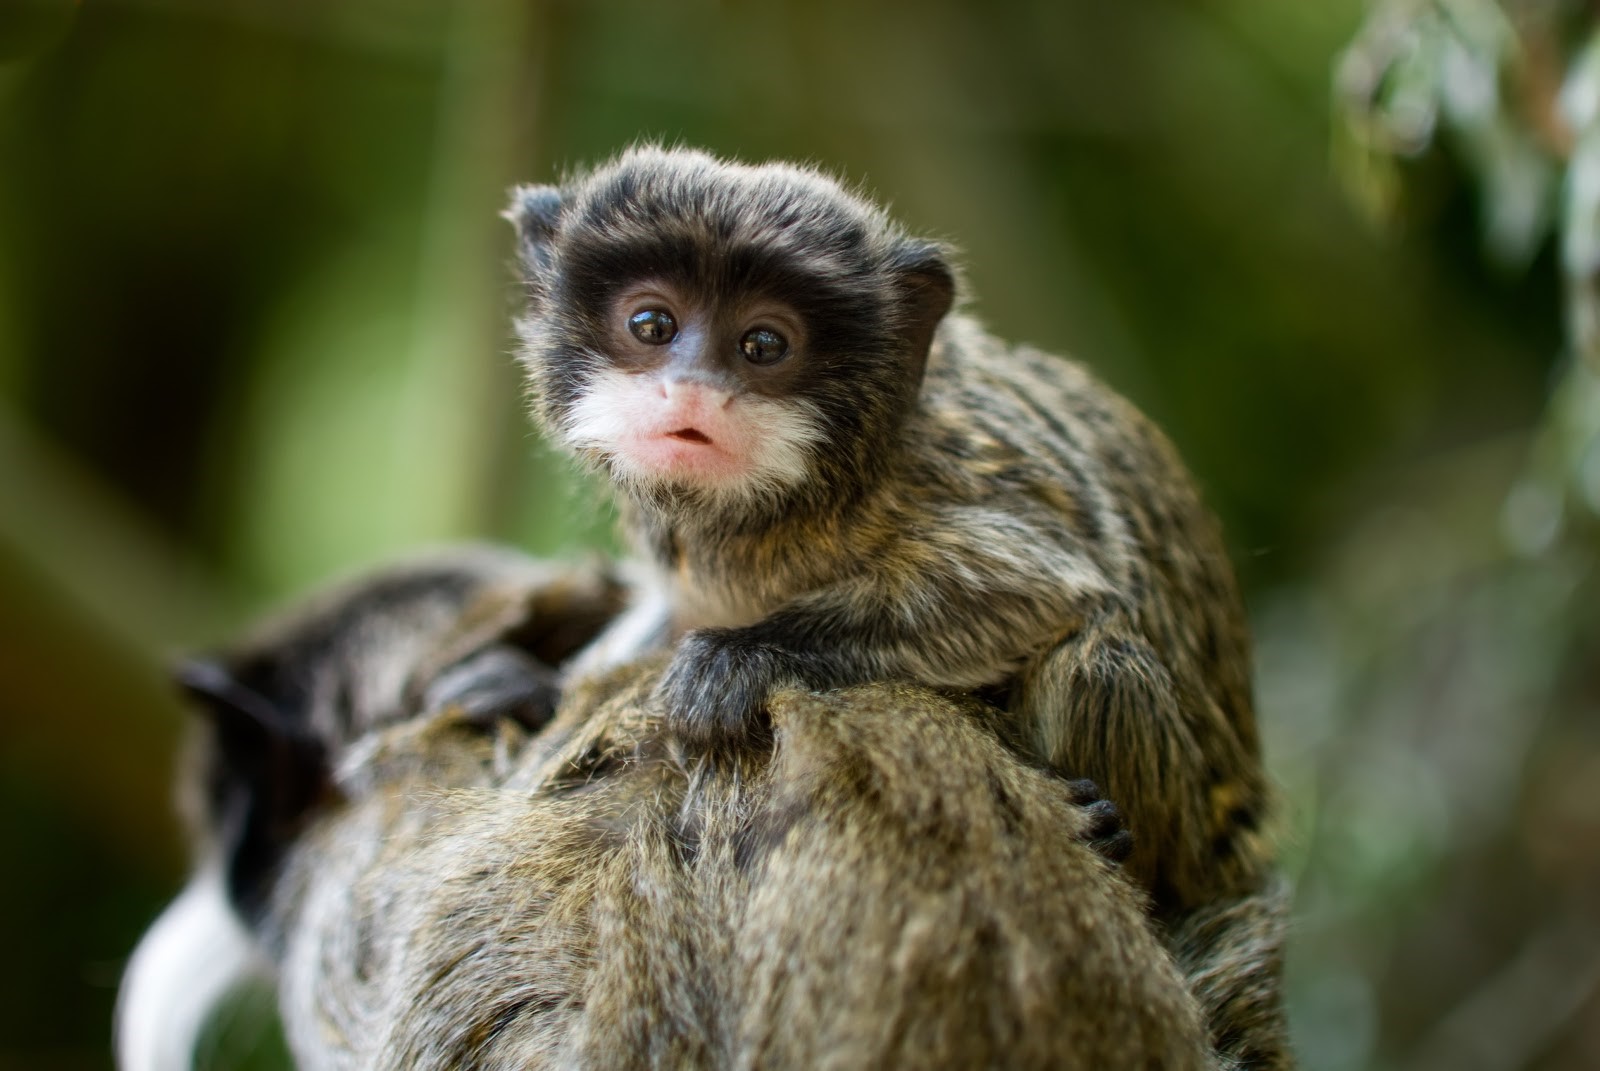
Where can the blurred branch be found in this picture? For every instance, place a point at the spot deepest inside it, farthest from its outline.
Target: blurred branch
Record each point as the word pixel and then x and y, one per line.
pixel 386 398
pixel 1446 643
pixel 1419 66
pixel 486 113
pixel 1516 87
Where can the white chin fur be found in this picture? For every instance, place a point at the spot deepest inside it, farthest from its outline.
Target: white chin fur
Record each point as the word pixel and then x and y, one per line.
pixel 192 956
pixel 775 444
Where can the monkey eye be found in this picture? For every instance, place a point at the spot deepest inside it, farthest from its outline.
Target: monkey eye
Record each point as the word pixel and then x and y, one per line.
pixel 762 345
pixel 653 326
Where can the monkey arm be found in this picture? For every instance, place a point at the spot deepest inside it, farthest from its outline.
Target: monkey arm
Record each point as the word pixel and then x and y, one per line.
pixel 960 599
pixel 968 597
pixel 1100 704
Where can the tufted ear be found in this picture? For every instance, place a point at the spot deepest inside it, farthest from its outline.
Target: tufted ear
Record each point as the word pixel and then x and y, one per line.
pixel 535 212
pixel 927 288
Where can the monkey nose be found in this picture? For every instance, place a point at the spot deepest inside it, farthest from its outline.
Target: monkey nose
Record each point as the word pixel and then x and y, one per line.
pixel 693 394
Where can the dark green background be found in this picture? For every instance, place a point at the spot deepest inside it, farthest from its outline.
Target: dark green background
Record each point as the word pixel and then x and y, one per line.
pixel 254 300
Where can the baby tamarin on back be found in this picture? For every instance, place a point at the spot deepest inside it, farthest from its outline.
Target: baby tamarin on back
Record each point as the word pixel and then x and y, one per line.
pixel 841 481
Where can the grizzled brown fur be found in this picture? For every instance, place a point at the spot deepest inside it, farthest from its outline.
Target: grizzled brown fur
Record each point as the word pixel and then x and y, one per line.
pixel 891 890
pixel 889 887
pixel 476 628
pixel 979 516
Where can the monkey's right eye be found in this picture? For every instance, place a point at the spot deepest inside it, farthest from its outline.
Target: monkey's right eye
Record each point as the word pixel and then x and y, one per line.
pixel 653 326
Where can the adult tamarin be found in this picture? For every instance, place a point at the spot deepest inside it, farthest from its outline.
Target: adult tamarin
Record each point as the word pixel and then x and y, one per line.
pixel 431 886
pixel 840 480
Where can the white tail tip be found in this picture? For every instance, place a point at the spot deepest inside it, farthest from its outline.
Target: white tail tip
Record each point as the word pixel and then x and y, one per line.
pixel 192 956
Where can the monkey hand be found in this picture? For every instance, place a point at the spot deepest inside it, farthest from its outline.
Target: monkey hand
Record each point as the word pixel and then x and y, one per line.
pixel 494 683
pixel 1102 828
pixel 714 691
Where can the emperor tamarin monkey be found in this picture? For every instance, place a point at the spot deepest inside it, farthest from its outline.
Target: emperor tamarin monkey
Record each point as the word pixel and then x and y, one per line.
pixel 889 888
pixel 839 480
pixel 475 631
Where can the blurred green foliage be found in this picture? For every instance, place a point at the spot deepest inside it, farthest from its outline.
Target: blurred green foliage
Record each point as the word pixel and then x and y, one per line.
pixel 254 307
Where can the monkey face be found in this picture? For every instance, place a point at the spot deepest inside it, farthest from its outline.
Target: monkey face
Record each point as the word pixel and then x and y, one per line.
pixel 719 338
pixel 701 394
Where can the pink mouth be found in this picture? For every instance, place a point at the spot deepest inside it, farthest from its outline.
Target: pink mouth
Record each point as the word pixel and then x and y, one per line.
pixel 685 454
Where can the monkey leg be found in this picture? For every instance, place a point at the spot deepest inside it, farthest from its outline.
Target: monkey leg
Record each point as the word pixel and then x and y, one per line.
pixel 1100 704
pixel 1231 954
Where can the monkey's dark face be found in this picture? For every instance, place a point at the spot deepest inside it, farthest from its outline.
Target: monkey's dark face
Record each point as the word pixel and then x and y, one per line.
pixel 700 394
pixel 719 337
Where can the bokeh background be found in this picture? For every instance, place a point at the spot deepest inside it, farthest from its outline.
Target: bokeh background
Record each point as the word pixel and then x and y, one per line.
pixel 254 298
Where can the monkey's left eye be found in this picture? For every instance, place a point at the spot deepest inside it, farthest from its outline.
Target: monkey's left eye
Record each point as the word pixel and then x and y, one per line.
pixel 654 326
pixel 762 345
